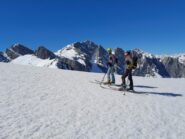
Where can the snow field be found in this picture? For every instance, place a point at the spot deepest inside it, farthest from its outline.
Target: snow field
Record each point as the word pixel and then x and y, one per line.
pixel 44 103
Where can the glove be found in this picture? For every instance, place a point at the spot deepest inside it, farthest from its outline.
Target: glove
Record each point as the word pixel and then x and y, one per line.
pixel 128 62
pixel 109 64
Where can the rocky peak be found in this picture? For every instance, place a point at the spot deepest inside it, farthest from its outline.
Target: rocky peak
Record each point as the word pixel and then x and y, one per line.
pixel 16 50
pixel 44 53
pixel 3 58
pixel 86 47
pixel 21 49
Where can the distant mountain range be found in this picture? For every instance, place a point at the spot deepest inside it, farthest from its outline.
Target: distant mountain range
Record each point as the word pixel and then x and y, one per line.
pixel 90 57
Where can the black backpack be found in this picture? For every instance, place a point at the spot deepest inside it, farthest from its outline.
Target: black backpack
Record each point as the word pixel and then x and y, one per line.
pixel 135 59
pixel 116 60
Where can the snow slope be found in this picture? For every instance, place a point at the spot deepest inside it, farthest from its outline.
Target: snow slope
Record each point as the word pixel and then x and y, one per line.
pixel 35 61
pixel 44 103
pixel 71 53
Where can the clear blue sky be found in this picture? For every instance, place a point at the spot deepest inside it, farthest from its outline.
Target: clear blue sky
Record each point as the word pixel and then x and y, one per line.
pixel 156 26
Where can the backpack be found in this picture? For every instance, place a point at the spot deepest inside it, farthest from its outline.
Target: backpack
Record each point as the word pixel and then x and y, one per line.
pixel 135 60
pixel 116 60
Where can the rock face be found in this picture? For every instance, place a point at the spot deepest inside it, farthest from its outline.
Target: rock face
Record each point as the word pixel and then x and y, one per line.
pixel 3 58
pixel 99 59
pixel 44 53
pixel 18 50
pixel 151 67
pixel 66 63
pixel 88 54
pixel 174 67
pixel 119 53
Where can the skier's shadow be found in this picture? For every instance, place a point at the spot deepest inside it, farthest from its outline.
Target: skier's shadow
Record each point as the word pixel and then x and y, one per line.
pixel 144 86
pixel 164 94
pixel 158 93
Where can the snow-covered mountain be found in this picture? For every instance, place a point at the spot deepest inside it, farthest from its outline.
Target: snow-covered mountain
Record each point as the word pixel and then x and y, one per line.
pixel 42 57
pixel 180 57
pixel 160 66
pixel 41 103
pixel 90 57
pixel 149 65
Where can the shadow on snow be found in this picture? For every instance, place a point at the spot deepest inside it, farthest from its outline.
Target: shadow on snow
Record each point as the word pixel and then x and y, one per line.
pixel 144 86
pixel 163 94
pixel 158 93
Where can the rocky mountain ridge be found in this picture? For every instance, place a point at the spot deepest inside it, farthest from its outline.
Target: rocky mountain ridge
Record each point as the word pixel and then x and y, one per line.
pixel 90 57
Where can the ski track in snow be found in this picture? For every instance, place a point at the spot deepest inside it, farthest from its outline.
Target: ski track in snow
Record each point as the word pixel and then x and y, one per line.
pixel 43 103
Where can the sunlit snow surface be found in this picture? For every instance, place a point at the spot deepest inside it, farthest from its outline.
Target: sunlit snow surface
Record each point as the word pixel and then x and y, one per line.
pixel 43 103
pixel 35 61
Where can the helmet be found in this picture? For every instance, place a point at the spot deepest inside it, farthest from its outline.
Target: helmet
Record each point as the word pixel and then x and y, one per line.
pixel 127 52
pixel 109 50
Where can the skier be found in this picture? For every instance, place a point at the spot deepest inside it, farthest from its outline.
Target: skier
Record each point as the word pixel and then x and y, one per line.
pixel 128 71
pixel 111 64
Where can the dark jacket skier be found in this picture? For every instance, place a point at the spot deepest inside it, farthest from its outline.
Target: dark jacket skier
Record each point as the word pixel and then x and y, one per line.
pixel 128 71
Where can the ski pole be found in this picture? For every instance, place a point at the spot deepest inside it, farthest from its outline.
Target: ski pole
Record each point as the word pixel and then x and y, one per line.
pixel 103 78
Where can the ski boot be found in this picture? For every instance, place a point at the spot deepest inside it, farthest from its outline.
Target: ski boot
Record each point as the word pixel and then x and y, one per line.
pixel 112 82
pixel 122 88
pixel 107 83
pixel 130 89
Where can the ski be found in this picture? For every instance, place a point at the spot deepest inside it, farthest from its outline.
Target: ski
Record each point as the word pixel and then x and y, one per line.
pixel 112 84
pixel 125 90
pixel 116 88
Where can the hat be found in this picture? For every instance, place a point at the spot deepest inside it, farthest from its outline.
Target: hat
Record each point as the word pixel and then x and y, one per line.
pixel 109 50
pixel 127 53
